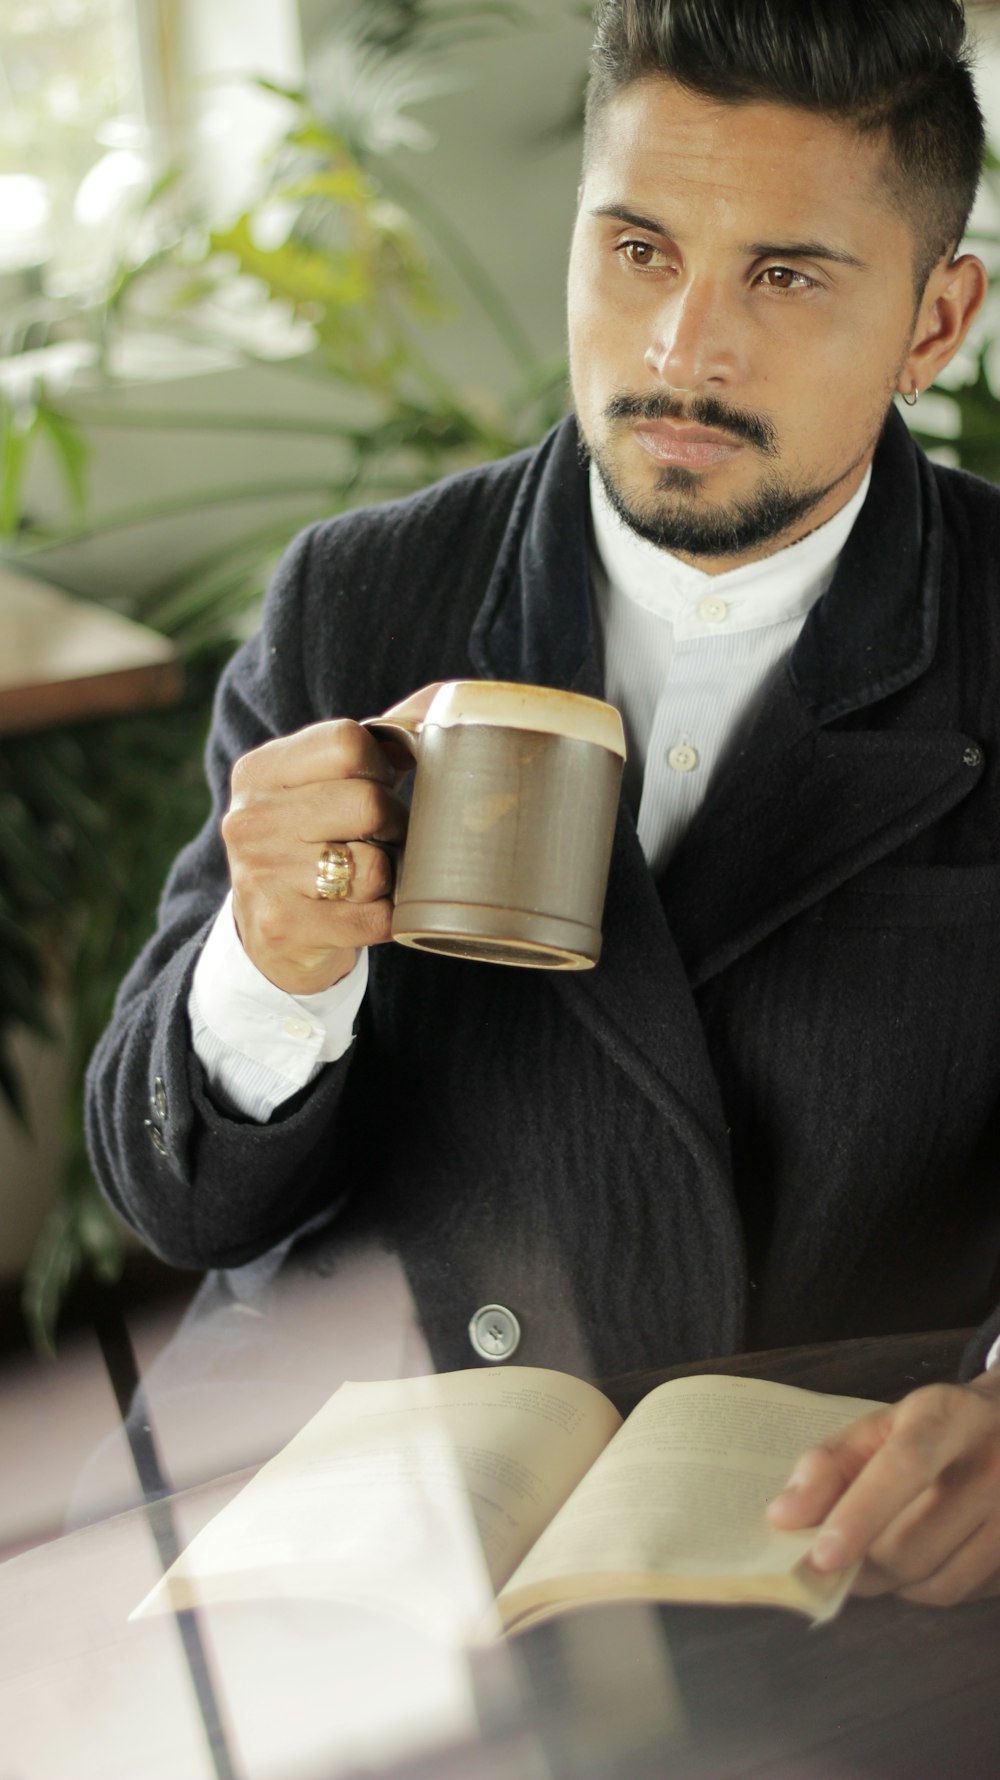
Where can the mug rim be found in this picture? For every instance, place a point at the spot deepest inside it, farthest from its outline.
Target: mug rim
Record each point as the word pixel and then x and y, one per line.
pixel 514 704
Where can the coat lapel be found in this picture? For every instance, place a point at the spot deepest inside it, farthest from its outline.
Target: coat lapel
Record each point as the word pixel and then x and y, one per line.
pixel 823 787
pixel 535 624
pixel 797 813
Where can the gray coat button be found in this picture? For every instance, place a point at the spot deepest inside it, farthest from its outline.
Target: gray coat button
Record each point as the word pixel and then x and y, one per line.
pixel 160 1098
pixel 156 1137
pixel 494 1332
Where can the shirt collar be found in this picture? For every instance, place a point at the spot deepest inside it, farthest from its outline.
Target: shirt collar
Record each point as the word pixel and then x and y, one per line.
pixel 872 633
pixel 780 587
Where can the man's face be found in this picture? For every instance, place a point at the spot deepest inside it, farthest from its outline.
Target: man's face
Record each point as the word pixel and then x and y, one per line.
pixel 741 306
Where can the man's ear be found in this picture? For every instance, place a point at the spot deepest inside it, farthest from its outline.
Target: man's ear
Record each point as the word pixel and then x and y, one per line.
pixel 953 296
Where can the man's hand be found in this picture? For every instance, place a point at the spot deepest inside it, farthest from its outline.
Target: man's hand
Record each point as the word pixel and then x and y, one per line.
pixel 914 1491
pixel 290 798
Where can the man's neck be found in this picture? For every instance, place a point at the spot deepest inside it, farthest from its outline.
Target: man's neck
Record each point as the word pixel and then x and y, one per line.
pixel 664 581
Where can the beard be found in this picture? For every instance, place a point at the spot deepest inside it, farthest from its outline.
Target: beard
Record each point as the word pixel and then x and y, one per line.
pixel 674 515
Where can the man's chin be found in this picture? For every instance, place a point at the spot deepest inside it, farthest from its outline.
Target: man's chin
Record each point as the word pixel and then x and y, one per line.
pixel 681 516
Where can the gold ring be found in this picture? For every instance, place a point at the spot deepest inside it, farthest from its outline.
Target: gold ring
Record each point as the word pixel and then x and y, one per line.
pixel 334 873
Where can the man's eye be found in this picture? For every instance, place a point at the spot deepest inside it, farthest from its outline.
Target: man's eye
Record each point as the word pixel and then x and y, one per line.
pixel 784 278
pixel 640 253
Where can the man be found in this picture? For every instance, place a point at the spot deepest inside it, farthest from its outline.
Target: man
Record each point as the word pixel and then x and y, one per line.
pixel 772 1113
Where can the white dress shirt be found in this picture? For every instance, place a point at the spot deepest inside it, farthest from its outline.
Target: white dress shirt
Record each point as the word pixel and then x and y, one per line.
pixel 259 1045
pixel 687 655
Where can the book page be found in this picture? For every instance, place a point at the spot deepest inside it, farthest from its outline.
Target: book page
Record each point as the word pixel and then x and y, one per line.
pixel 674 1507
pixel 419 1495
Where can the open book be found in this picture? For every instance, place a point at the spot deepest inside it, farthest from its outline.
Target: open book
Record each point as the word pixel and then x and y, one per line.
pixel 503 1497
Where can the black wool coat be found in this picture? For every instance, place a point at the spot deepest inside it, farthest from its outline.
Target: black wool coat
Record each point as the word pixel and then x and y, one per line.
pixel 772 1113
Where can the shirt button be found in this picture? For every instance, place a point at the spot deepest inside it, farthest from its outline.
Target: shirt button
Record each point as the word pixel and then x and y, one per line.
pixel 713 611
pixel 156 1137
pixel 293 1028
pixel 494 1332
pixel 159 1098
pixel 683 758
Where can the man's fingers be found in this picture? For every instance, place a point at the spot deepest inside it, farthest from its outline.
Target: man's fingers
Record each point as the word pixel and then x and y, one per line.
pixel 929 1431
pixel 269 832
pixel 349 810
pixel 912 1490
pixel 371 874
pixel 327 786
pixel 969 1572
pixel 340 749
pixel 822 1474
pixel 925 1537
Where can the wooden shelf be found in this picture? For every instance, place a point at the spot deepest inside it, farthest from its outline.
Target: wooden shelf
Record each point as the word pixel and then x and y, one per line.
pixel 63 659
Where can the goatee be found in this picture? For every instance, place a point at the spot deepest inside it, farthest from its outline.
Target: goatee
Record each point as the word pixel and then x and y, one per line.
pixel 674 516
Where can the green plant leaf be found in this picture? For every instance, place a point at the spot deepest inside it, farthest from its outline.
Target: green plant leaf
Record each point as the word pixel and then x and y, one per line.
pixel 340 185
pixel 299 274
pixel 17 427
pixel 54 1264
pixel 71 451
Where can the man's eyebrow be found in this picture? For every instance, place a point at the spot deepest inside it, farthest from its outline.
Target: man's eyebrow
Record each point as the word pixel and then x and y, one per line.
pixel 758 250
pixel 620 213
pixel 802 250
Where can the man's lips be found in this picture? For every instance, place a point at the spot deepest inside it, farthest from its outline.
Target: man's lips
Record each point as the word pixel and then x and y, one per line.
pixel 680 442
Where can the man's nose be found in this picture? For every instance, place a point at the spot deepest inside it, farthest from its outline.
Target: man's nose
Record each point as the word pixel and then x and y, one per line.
pixel 693 339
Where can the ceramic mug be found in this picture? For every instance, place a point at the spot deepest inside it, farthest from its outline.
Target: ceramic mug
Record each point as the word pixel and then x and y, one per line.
pixel 513 815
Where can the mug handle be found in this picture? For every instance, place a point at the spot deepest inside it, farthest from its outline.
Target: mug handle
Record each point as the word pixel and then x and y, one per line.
pixel 402 723
pixel 405 735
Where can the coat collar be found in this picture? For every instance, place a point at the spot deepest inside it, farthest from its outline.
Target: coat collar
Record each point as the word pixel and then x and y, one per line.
pixel 875 630
pixel 535 622
pixel 872 633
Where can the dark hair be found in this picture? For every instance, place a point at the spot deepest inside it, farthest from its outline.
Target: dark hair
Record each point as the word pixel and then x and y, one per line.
pixel 898 66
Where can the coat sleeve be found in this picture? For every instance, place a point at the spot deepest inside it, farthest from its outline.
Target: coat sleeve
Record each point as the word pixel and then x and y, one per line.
pixel 979 1350
pixel 200 1186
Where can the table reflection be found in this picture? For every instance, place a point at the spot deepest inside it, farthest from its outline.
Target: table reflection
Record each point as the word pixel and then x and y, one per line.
pixel 316 1689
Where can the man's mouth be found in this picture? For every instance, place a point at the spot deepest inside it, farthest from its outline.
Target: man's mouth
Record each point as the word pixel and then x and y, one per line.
pixel 707 433
pixel 685 445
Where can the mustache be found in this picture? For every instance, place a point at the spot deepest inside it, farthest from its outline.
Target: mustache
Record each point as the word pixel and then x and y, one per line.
pixel 703 410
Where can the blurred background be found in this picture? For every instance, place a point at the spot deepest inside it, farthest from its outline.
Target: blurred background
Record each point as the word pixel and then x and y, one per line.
pixel 260 260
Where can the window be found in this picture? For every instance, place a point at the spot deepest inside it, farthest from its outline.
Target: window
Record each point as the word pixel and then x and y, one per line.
pixel 98 99
pixel 70 133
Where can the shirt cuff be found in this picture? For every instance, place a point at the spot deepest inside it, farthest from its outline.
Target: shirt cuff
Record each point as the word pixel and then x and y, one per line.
pixel 993 1357
pixel 258 1044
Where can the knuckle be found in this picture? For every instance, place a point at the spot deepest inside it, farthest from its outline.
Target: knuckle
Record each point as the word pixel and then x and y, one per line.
pixel 383 876
pixel 375 922
pixel 934 1404
pixel 346 738
pixel 370 806
pixel 273 928
pixel 236 826
pixel 910 1454
pixel 241 774
pixel 991 1466
pixel 253 768
pixel 923 1424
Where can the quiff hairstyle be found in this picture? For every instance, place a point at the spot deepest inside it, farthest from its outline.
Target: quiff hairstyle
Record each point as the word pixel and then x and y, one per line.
pixel 901 67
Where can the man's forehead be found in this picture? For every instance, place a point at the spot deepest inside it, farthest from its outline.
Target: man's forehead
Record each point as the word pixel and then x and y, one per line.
pixel 755 164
